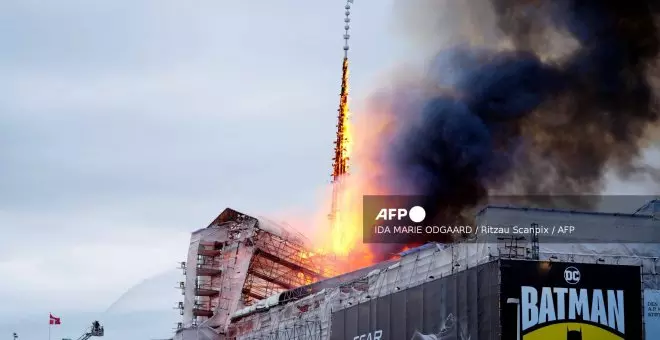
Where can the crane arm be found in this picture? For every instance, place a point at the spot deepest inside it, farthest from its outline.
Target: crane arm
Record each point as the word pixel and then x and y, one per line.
pixel 95 330
pixel 85 336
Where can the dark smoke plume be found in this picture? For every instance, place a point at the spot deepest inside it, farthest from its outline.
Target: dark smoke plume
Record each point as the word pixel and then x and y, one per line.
pixel 525 120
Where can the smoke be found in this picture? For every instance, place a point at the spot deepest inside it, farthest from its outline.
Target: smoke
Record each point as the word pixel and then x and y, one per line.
pixel 538 97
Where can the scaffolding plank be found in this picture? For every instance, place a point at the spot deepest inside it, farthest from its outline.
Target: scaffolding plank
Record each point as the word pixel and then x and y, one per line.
pixel 209 252
pixel 274 280
pixel 288 264
pixel 202 312
pixel 206 292
pixel 205 271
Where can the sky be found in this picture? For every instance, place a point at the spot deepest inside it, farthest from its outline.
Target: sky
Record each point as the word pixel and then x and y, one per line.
pixel 126 125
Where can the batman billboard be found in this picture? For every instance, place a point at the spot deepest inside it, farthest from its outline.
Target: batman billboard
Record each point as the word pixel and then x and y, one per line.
pixel 505 300
pixel 570 301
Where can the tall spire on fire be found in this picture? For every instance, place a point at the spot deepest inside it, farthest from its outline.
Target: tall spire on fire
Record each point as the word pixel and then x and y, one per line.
pixel 343 141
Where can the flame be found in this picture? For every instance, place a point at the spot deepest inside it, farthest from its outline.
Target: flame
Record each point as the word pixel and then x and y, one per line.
pixel 305 278
pixel 344 142
pixel 345 114
pixel 306 254
pixel 359 139
pixel 345 225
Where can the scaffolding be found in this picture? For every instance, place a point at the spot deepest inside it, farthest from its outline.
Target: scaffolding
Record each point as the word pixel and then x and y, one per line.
pixel 209 270
pixel 512 247
pixel 238 260
pixel 279 265
pixel 303 329
pixel 229 260
pixel 182 286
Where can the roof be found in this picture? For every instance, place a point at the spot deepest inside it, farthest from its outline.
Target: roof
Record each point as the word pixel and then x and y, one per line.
pixel 316 287
pixel 636 214
pixel 229 215
pixel 422 247
pixel 261 223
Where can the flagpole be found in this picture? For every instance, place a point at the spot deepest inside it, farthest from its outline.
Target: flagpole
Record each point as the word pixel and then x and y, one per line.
pixel 49 326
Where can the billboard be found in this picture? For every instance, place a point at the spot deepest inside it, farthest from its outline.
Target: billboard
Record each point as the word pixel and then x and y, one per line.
pixel 572 301
pixel 463 306
pixel 652 314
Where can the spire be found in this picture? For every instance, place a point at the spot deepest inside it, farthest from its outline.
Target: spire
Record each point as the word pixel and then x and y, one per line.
pixel 343 139
pixel 347 27
pixel 341 157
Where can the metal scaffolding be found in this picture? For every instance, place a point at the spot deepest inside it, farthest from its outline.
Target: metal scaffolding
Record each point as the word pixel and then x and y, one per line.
pixel 209 269
pixel 279 265
pixel 239 260
pixel 303 330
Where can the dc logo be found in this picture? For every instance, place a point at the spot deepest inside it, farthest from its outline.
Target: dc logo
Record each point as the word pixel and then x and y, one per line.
pixel 572 275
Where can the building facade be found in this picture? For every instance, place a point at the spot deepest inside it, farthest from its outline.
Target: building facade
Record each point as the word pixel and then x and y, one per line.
pixel 419 295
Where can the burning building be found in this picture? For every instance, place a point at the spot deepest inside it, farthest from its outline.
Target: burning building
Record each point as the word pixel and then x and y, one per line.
pixel 518 119
pixel 238 260
pixel 455 291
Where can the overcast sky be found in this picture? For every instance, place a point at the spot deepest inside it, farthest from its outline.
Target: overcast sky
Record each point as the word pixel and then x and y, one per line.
pixel 125 125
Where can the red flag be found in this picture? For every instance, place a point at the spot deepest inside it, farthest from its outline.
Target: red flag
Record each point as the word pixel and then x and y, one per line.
pixel 54 320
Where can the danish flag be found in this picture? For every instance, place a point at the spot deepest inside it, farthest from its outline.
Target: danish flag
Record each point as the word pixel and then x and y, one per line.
pixel 54 320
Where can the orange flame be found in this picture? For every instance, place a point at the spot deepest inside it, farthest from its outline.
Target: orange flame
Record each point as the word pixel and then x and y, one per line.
pixel 345 228
pixel 343 236
pixel 345 113
pixel 359 140
pixel 343 143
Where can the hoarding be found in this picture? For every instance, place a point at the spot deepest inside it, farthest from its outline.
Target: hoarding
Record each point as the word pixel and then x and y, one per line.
pixel 552 300
pixel 652 314
pixel 463 306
